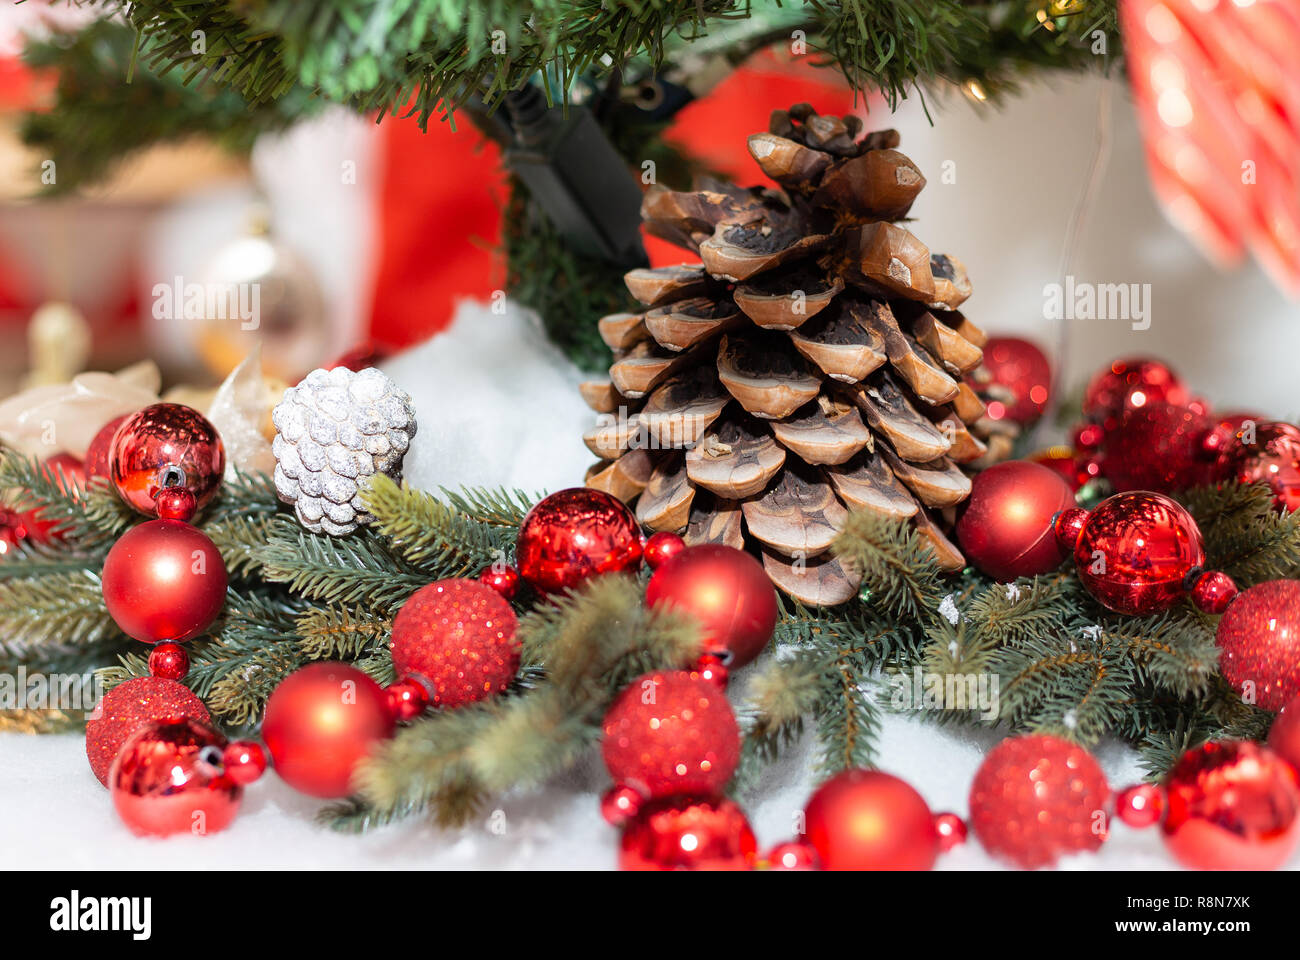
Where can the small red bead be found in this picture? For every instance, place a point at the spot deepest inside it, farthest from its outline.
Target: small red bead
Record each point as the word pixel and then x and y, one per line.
pixel 407 698
pixel 176 503
pixel 1213 591
pixel 620 804
pixel 501 578
pixel 1140 805
pixel 662 547
pixel 1068 525
pixel 793 856
pixel 169 661
pixel 951 829
pixel 244 760
pixel 712 668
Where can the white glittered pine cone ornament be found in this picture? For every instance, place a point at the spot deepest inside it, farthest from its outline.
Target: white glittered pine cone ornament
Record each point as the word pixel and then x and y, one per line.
pixel 333 430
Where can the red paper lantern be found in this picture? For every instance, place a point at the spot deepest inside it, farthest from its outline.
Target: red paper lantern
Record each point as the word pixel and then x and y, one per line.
pixel 170 779
pixel 130 706
pixel 1017 379
pixel 1233 805
pixel 164 580
pixel 574 535
pixel 459 635
pixel 669 733
pixel 688 833
pixel 162 436
pixel 1038 798
pixel 726 590
pixel 867 820
pixel 1005 528
pixel 1259 643
pixel 1136 550
pixel 320 722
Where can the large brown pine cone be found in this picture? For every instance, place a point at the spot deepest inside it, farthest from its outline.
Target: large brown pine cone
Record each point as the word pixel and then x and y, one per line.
pixel 810 364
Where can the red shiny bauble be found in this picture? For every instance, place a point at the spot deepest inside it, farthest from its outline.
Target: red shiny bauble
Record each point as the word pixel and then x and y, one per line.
pixel 620 804
pixel 459 635
pixel 1233 805
pixel 164 580
pixel 169 661
pixel 100 447
pixel 158 437
pixel 1038 798
pixel 407 699
pixel 867 820
pixel 1284 735
pixel 170 779
pixel 727 591
pixel 245 761
pixel 951 829
pixel 175 503
pixel 321 721
pixel 1140 805
pixel 504 580
pixel 1136 550
pixel 1267 453
pixel 1259 643
pixel 711 668
pixel 1158 446
pixel 1069 464
pixel 1129 385
pixel 1016 380
pixel 662 547
pixel 688 833
pixel 1005 528
pixel 793 855
pixel 129 706
pixel 1227 427
pixel 671 732
pixel 574 535
pixel 1213 591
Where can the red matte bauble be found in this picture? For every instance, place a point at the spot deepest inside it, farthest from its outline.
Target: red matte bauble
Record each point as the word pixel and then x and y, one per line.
pixel 320 723
pixel 574 535
pixel 170 779
pixel 1158 447
pixel 727 591
pixel 671 732
pixel 1038 798
pixel 164 580
pixel 868 820
pixel 1019 384
pixel 1129 385
pixel 160 436
pixel 1284 735
pixel 459 635
pixel 688 833
pixel 1136 550
pixel 100 447
pixel 1270 453
pixel 1259 643
pixel 1005 528
pixel 1233 805
pixel 129 706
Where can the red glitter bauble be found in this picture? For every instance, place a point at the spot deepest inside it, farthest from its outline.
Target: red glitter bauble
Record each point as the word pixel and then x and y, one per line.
pixel 867 820
pixel 1129 385
pixel 688 833
pixel 164 580
pixel 1233 805
pixel 1016 378
pixel 1136 550
pixel 1005 528
pixel 320 722
pixel 1265 453
pixel 1140 805
pixel 1284 735
pixel 101 446
pixel 459 635
pixel 574 535
pixel 1259 643
pixel 170 778
pixel 1038 798
pixel 727 591
pixel 1158 447
pixel 158 437
pixel 128 707
pixel 671 732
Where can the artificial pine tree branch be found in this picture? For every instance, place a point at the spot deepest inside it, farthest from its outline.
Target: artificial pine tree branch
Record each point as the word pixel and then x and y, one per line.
pixel 91 520
pixel 1244 536
pixel 900 576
